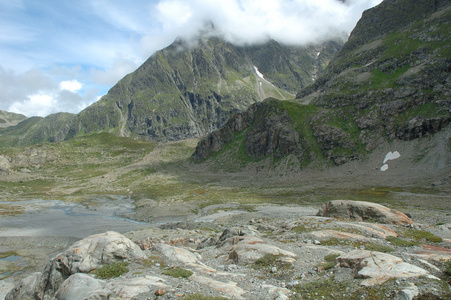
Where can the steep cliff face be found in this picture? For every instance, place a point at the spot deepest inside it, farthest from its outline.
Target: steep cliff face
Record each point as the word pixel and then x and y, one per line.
pixel 391 80
pixel 187 90
pixel 270 128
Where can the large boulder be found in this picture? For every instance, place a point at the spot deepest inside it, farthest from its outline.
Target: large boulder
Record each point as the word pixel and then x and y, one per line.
pixel 5 165
pixel 82 286
pixel 176 256
pixel 84 256
pixel 363 211
pixel 247 250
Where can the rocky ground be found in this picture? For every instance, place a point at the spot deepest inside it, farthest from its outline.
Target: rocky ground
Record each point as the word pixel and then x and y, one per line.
pixel 273 252
pixel 219 225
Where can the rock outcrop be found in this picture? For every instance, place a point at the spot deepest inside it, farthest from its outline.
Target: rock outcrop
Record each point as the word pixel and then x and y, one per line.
pixel 274 258
pixel 363 211
pixel 83 257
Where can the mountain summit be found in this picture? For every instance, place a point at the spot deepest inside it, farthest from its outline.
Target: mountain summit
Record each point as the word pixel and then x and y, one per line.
pixel 187 90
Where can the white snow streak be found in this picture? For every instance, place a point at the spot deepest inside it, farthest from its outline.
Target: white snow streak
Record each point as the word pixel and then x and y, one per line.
pixel 258 73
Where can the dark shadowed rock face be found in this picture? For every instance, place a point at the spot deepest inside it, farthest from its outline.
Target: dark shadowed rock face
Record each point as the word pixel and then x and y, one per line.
pixel 268 130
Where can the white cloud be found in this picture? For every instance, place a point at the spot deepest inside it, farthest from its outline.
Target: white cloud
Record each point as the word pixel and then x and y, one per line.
pixel 35 105
pixel 71 85
pixel 247 21
pixel 46 69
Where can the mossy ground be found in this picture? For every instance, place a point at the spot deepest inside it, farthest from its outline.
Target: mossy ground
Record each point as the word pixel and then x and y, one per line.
pixel 111 270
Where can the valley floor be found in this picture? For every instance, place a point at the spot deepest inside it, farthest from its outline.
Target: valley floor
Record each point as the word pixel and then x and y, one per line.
pixel 169 191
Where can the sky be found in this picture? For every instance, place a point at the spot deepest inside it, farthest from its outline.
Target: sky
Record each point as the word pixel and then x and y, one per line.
pixel 63 55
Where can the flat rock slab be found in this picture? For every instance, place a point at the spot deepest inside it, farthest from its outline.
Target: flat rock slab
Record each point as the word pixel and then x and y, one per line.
pixel 363 211
pixel 249 249
pixel 435 253
pixel 229 289
pixel 369 229
pixel 377 267
pixel 175 255
pixel 329 234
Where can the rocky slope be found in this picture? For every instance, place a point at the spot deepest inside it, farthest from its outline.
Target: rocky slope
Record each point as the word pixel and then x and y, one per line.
pixel 9 119
pixel 391 80
pixel 187 90
pixel 276 252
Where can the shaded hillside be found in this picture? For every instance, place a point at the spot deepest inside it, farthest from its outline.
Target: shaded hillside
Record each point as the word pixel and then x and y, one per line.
pixel 10 119
pixel 393 85
pixel 34 130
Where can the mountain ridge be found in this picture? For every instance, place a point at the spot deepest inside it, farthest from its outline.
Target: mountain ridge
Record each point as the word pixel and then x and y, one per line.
pixel 393 86
pixel 187 90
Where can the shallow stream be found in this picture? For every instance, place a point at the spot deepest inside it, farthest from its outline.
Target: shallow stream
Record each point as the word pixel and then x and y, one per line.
pixel 59 218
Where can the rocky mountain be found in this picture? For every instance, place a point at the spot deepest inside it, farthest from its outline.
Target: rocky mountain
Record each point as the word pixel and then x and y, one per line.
pixel 187 90
pixel 391 80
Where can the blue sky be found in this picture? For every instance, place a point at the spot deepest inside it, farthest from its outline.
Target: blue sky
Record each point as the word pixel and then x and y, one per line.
pixel 61 55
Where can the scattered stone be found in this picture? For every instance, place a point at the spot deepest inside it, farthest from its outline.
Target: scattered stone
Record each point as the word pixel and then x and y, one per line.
pixel 160 292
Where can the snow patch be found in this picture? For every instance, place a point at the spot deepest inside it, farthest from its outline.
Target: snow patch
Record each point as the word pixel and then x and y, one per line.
pixel 258 73
pixel 390 156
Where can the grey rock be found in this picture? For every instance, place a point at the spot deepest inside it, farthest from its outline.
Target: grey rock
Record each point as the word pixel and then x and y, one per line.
pixel 376 267
pixel 5 165
pixel 82 286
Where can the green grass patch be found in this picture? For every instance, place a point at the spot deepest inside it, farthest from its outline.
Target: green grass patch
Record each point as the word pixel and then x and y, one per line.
pixel 420 235
pixel 269 261
pixel 300 229
pixel 153 260
pixel 427 110
pixel 370 246
pixel 329 261
pixel 111 270
pixel 396 241
pixel 331 289
pixel 177 272
pixel 8 254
